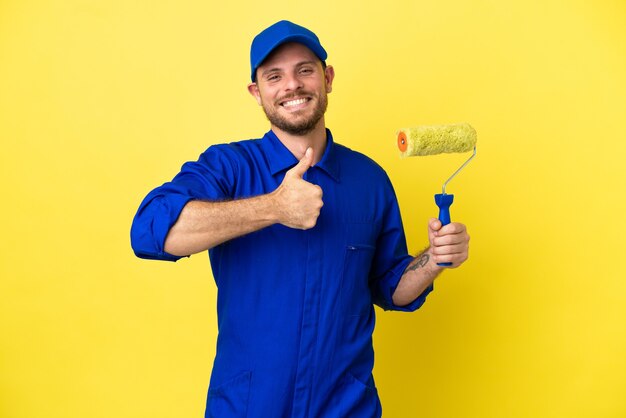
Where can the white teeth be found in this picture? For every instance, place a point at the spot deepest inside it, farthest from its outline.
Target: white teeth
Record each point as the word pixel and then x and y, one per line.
pixel 294 102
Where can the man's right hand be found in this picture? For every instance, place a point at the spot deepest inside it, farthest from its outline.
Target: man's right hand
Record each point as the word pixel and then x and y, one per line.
pixel 298 202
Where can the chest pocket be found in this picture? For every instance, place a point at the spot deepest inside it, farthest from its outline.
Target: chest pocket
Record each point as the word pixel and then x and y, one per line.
pixel 355 297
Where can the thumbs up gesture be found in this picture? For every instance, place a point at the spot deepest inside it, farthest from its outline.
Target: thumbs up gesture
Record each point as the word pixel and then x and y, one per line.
pixel 298 202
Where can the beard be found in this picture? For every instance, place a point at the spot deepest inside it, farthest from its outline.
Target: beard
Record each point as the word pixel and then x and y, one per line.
pixel 302 124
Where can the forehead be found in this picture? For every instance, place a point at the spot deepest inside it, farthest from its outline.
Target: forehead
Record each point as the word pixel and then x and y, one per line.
pixel 288 54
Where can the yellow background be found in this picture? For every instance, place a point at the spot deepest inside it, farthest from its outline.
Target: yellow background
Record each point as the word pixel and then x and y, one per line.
pixel 100 101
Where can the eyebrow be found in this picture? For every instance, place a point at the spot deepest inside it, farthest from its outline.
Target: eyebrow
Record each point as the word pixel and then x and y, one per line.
pixel 273 69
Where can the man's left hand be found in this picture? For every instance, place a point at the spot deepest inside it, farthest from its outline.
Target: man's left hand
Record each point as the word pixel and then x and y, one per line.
pixel 448 244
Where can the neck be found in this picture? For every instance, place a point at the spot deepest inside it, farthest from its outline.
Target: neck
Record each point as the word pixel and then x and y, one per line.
pixel 298 144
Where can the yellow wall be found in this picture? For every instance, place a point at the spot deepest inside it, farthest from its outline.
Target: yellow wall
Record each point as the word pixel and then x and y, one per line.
pixel 102 100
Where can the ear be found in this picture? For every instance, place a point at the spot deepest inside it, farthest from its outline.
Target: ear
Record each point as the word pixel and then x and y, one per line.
pixel 253 89
pixel 329 76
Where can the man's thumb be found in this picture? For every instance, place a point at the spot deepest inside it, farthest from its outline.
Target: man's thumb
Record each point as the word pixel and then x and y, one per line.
pixel 434 225
pixel 304 163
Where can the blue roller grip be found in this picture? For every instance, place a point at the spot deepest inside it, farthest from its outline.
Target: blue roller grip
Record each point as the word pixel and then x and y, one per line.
pixel 444 201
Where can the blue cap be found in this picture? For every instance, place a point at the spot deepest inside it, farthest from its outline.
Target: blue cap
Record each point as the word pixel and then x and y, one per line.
pixel 277 34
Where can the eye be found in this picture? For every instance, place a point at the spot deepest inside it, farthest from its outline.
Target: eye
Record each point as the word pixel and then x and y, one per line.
pixel 273 77
pixel 306 70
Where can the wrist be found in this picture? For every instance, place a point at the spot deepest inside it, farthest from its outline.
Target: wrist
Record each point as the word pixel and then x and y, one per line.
pixel 273 206
pixel 432 267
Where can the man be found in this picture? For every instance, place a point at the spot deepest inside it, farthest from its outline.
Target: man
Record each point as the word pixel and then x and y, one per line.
pixel 304 235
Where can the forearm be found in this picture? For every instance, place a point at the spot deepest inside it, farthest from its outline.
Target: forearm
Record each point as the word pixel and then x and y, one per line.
pixel 203 225
pixel 419 274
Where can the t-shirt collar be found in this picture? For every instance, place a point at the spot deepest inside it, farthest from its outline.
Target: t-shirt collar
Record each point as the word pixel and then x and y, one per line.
pixel 280 158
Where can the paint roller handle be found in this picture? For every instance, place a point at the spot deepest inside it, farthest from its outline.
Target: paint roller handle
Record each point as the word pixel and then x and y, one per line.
pixel 444 201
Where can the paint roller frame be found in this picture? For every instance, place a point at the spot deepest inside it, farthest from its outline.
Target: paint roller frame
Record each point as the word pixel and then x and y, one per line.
pixel 442 200
pixel 443 189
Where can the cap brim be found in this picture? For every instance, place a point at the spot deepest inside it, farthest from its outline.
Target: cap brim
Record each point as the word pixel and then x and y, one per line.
pixel 313 45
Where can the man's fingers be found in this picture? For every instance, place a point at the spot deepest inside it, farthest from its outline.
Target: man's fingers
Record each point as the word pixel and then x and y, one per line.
pixel 448 249
pixel 304 164
pixel 448 243
pixel 455 259
pixel 452 228
pixel 451 239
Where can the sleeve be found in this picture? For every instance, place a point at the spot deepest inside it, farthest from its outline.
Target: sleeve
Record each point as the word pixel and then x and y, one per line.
pixel 212 177
pixel 392 258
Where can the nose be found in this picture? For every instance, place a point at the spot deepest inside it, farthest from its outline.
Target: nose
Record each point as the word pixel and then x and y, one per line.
pixel 293 82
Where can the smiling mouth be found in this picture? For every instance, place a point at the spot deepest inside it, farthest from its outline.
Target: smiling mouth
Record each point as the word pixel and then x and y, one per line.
pixel 295 102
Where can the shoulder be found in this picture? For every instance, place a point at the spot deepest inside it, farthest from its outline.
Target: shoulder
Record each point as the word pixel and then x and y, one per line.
pixel 354 163
pixel 233 153
pixel 236 149
pixel 366 185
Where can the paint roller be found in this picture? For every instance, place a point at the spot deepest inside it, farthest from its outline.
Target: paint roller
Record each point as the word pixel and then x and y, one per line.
pixel 438 139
